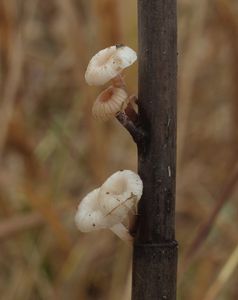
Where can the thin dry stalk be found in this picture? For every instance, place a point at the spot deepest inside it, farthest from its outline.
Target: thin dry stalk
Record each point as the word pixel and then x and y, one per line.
pixel 13 81
pixel 5 34
pixel 119 272
pixel 74 35
pixel 224 275
pixel 107 12
pixel 229 22
pixel 207 226
pixel 191 63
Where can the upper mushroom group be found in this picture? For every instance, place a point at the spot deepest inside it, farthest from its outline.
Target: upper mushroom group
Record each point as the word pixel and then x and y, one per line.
pixel 107 65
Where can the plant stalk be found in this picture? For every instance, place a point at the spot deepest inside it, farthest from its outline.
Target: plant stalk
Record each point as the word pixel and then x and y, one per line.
pixel 155 247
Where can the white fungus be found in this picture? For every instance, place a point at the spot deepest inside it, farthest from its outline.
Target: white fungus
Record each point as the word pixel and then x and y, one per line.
pixel 89 217
pixel 109 103
pixel 108 63
pixel 120 193
pixel 111 205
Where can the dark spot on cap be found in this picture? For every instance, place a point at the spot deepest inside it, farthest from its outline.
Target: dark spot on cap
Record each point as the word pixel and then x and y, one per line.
pixel 121 170
pixel 107 193
pixel 94 225
pixel 119 46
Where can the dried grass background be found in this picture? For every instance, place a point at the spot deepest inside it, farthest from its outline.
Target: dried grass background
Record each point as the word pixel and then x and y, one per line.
pixel 52 152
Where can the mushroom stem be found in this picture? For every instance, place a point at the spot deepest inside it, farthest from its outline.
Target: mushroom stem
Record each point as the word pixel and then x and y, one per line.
pixel 132 109
pixel 137 133
pixel 119 81
pixel 122 232
pixel 133 100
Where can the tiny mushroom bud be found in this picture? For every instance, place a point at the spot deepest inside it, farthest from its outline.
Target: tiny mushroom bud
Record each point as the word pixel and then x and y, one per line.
pixel 108 63
pixel 120 193
pixel 109 103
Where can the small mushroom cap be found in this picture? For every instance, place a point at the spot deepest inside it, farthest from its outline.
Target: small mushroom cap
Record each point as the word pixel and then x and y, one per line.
pixel 109 103
pixel 108 63
pixel 120 193
pixel 88 216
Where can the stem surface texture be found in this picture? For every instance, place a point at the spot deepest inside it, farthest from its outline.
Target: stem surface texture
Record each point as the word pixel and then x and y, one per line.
pixel 155 248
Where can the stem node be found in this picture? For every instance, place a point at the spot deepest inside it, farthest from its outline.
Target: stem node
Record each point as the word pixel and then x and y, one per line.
pixel 137 133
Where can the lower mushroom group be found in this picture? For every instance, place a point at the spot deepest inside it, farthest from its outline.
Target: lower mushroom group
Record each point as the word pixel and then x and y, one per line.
pixel 111 205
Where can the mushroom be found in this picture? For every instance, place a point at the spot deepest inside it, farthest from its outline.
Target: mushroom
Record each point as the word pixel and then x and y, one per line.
pixel 108 64
pixel 111 205
pixel 109 103
pixel 89 216
pixel 120 193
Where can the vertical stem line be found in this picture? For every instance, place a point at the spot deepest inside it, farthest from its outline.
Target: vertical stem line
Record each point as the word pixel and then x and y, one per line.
pixel 155 248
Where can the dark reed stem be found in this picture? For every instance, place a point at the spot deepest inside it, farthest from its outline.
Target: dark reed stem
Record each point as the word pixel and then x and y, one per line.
pixel 155 248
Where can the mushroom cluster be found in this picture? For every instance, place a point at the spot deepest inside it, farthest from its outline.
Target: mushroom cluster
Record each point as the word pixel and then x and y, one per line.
pixel 112 205
pixel 107 65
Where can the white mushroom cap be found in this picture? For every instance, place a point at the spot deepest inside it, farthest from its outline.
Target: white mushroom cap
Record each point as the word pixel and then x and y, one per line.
pixel 109 103
pixel 120 193
pixel 110 205
pixel 108 63
pixel 89 217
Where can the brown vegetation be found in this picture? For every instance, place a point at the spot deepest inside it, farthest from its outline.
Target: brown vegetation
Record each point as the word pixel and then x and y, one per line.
pixel 52 152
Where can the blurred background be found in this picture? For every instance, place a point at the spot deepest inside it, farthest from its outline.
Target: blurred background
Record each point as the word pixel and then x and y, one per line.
pixel 52 152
